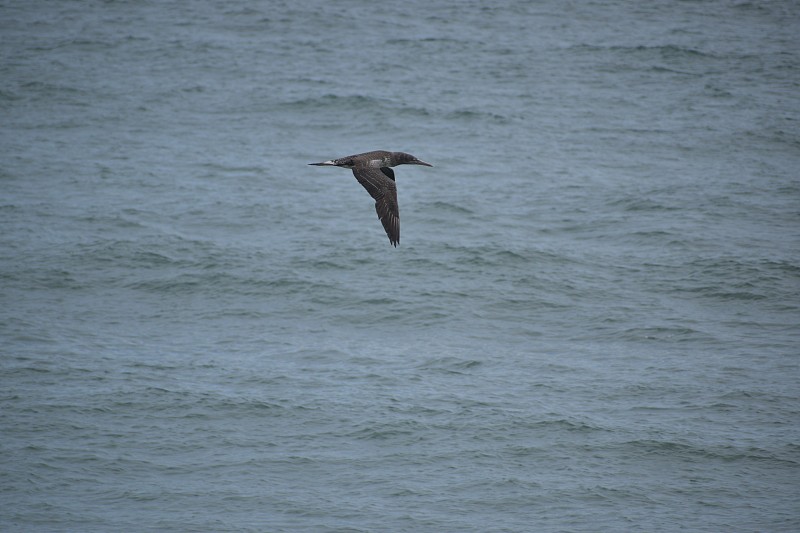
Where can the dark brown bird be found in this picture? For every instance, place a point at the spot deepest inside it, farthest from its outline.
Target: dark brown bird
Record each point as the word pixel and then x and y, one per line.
pixel 372 170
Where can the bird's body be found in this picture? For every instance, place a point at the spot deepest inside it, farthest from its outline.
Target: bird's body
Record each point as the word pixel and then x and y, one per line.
pixel 373 171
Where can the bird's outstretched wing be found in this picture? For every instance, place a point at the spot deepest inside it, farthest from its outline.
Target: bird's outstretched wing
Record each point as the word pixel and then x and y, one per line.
pixel 379 183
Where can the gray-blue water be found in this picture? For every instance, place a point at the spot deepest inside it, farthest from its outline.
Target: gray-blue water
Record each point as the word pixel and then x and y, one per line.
pixel 592 322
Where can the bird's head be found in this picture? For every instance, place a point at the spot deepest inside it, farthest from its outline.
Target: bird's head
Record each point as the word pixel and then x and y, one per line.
pixel 403 158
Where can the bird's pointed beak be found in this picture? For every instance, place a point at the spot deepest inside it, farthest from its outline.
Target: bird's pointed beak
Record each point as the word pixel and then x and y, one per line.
pixel 423 163
pixel 323 164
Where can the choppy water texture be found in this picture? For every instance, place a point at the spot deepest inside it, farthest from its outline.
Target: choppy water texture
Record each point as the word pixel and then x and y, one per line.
pixel 590 324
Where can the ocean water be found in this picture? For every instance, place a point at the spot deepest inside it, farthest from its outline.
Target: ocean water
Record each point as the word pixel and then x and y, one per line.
pixel 591 323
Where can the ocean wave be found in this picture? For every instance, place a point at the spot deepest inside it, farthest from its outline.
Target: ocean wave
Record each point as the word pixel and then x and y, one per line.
pixel 338 102
pixel 665 50
pixel 703 451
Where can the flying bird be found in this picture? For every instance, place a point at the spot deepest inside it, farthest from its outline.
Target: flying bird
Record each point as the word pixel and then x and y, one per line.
pixel 373 172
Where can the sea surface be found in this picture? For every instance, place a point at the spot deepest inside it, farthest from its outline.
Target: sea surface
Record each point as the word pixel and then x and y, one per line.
pixel 591 323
